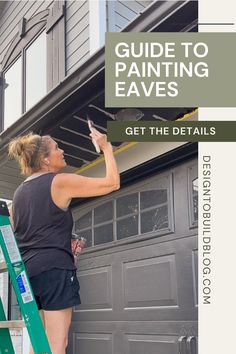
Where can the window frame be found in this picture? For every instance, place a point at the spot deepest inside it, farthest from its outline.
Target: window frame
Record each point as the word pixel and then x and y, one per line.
pixel 3 82
pixel 24 70
pixel 53 22
pixel 97 24
pixel 165 180
pixel 25 35
pixel 20 54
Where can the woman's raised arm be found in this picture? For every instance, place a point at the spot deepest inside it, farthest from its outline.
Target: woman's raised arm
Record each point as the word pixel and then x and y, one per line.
pixel 66 186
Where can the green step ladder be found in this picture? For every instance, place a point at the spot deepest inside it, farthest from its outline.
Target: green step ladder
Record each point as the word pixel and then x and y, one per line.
pixel 23 291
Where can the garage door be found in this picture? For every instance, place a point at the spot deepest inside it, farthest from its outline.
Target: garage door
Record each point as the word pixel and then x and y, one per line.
pixel 138 274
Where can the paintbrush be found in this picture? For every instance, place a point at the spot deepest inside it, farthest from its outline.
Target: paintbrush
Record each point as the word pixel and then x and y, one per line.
pixel 91 128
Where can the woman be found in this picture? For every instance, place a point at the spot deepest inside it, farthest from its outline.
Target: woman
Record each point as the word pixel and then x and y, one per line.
pixel 43 225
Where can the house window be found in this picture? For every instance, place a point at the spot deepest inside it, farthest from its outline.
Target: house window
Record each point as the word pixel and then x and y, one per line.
pixel 33 64
pixel 35 71
pixel 13 93
pixel 25 80
pixel 97 24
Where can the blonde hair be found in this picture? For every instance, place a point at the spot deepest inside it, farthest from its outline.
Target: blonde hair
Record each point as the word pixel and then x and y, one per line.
pixel 28 151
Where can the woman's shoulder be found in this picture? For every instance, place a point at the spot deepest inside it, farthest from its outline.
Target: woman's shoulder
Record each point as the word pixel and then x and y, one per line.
pixel 64 179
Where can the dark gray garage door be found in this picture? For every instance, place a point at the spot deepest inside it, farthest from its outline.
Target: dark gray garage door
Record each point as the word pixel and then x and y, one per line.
pixel 138 274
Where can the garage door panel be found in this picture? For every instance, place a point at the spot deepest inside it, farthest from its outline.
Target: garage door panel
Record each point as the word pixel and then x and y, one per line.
pixel 186 266
pixel 150 282
pixel 151 344
pixel 96 288
pixel 128 337
pixel 195 275
pixel 133 327
pixel 92 343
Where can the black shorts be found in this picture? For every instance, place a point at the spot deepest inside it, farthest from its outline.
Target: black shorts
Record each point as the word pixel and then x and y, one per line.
pixel 56 289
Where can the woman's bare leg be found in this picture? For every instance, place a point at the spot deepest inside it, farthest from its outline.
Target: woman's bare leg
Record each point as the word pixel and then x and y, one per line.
pixel 57 324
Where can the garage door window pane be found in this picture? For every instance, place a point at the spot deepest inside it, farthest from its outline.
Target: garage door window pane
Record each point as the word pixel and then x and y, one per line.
pixel 103 213
pixel 84 222
pixel 88 235
pixel 127 216
pixel 155 219
pixel 127 227
pixel 127 205
pixel 103 234
pixel 154 197
pixel 195 199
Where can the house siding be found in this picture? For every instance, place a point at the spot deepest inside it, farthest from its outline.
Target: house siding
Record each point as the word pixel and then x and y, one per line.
pixel 77 34
pixel 126 11
pixel 119 15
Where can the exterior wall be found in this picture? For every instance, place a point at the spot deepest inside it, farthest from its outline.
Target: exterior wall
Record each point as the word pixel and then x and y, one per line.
pixel 126 11
pixel 135 155
pixel 119 15
pixel 77 34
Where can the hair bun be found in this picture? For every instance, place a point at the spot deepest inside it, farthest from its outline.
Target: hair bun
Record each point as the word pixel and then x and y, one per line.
pixel 27 151
pixel 15 148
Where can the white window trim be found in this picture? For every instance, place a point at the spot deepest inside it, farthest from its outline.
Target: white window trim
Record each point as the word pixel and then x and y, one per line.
pixel 97 24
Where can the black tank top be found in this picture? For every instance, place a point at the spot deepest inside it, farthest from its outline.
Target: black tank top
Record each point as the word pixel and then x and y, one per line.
pixel 43 230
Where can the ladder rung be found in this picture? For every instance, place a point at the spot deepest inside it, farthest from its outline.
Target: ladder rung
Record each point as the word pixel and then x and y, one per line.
pixel 3 267
pixel 12 324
